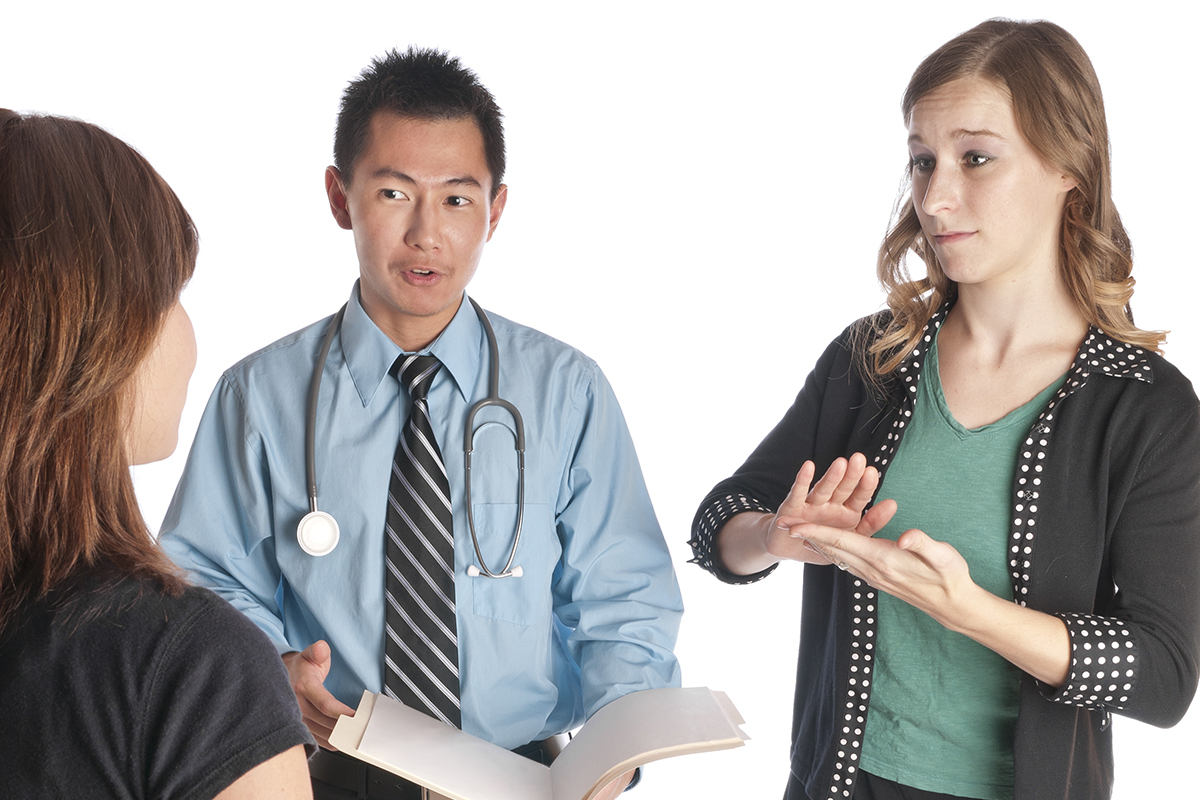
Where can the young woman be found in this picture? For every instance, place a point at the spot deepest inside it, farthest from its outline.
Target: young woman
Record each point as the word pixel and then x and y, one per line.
pixel 117 680
pixel 1030 563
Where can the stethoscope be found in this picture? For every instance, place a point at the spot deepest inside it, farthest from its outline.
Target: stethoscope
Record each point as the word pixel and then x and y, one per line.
pixel 318 531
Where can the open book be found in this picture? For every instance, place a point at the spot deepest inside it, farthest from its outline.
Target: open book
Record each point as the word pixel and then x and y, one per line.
pixel 628 732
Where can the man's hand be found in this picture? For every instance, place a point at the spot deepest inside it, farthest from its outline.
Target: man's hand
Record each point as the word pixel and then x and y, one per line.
pixel 320 709
pixel 615 786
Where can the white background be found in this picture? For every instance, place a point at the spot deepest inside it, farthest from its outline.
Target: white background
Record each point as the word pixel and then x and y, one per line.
pixel 696 195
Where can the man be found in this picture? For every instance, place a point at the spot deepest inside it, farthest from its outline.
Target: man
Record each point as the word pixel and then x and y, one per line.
pixel 399 605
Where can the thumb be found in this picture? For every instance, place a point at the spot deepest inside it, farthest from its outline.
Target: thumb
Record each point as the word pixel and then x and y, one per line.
pixel 877 517
pixel 319 655
pixel 913 540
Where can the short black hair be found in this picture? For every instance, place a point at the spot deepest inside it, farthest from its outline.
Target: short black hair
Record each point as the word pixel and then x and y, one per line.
pixel 421 83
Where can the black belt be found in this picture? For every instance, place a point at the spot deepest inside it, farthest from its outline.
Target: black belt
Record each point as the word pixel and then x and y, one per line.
pixel 364 781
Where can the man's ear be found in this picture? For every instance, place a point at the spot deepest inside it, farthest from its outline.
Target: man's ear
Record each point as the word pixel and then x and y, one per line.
pixel 496 209
pixel 336 191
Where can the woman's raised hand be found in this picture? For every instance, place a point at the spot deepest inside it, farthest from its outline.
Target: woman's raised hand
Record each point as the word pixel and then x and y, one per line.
pixel 836 501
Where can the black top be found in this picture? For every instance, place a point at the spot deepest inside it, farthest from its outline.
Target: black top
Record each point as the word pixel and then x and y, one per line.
pixel 1105 535
pixel 127 693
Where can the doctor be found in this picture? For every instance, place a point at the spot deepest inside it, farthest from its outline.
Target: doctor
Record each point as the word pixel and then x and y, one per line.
pixel 398 605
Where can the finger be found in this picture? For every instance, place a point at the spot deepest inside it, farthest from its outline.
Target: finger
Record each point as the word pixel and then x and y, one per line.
pixel 329 705
pixel 818 551
pixel 796 496
pixel 878 516
pixel 855 467
pixel 825 487
pixel 317 723
pixel 864 490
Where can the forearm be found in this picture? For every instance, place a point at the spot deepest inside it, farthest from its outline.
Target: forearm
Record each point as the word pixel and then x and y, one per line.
pixel 1035 642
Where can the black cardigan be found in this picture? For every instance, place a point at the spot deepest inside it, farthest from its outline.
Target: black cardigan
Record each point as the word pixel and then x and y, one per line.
pixel 1105 535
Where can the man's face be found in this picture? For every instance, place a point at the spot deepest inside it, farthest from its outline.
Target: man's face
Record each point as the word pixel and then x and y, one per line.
pixel 421 210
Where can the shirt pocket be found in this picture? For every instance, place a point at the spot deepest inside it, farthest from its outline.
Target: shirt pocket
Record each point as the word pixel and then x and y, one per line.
pixel 525 600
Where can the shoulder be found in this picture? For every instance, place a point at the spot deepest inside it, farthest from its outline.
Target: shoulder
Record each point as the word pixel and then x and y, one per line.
pixel 534 345
pixel 845 358
pixel 1172 383
pixel 137 614
pixel 531 358
pixel 1153 385
pixel 284 358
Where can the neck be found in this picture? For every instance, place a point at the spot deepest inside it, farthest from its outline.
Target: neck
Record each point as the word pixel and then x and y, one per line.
pixel 410 332
pixel 1014 318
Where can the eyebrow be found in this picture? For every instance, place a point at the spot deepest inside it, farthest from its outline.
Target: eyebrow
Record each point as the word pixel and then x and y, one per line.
pixel 962 133
pixel 463 180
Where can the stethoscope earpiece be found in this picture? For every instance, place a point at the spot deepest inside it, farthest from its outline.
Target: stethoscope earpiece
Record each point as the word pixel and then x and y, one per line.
pixel 515 572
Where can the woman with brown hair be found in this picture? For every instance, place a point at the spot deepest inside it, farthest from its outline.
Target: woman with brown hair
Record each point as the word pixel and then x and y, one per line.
pixel 117 679
pixel 1004 547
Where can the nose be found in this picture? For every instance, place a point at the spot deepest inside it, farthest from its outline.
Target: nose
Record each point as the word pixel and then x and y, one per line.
pixel 424 230
pixel 941 190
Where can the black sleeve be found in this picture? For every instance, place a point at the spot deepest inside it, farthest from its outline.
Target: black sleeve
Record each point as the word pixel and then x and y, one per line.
pixel 763 481
pixel 1141 656
pixel 217 703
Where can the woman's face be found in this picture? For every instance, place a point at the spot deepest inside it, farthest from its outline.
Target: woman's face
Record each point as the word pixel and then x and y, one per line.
pixel 988 205
pixel 160 390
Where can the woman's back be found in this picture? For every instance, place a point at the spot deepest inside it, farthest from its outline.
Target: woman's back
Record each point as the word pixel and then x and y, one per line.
pixel 114 689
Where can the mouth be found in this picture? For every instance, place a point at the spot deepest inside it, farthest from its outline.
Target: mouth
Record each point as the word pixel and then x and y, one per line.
pixel 950 237
pixel 420 276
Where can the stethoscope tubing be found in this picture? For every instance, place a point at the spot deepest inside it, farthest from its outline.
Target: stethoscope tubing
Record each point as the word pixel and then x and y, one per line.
pixel 321 518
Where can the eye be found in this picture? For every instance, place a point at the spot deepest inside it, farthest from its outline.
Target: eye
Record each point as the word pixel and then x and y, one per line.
pixel 457 201
pixel 920 164
pixel 392 194
pixel 977 159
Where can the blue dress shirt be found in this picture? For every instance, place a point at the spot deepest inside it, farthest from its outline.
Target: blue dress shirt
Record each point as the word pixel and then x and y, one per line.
pixel 597 610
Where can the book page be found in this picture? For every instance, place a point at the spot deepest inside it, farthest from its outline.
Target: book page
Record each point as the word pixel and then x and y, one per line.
pixel 460 766
pixel 643 727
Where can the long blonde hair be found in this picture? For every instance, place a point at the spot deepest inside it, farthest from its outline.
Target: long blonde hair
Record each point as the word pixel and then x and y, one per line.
pixel 1059 109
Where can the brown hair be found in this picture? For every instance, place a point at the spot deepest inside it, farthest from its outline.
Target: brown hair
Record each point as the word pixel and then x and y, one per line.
pixel 94 251
pixel 1059 109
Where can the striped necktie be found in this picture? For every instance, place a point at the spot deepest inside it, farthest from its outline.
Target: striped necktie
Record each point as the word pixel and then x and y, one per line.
pixel 420 638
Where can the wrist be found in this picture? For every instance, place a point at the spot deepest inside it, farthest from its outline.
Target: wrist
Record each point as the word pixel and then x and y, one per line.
pixel 967 609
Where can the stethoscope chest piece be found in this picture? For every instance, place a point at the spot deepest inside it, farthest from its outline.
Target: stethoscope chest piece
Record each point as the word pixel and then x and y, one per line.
pixel 318 533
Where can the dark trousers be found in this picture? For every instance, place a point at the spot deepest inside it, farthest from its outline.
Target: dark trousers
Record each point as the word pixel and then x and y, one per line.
pixel 340 777
pixel 872 787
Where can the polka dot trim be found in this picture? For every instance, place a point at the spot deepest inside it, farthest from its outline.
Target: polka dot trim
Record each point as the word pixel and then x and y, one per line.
pixel 704 535
pixel 1101 353
pixel 857 691
pixel 910 375
pixel 1098 354
pixel 1104 663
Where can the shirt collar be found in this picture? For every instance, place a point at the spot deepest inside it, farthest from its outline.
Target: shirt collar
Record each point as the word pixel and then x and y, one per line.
pixel 1103 355
pixel 370 353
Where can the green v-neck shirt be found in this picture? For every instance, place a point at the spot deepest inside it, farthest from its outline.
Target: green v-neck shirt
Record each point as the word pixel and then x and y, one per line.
pixel 943 707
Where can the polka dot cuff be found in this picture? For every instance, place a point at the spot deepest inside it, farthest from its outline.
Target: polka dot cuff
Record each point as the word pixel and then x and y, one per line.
pixel 1104 663
pixel 704 541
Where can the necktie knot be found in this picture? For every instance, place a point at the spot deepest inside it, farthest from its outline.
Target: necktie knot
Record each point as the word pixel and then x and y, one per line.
pixel 415 373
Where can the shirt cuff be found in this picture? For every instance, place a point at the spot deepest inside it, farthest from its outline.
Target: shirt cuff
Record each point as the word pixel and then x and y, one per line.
pixel 1104 663
pixel 712 516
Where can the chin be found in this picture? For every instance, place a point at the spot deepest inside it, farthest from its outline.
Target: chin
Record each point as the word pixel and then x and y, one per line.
pixel 150 452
